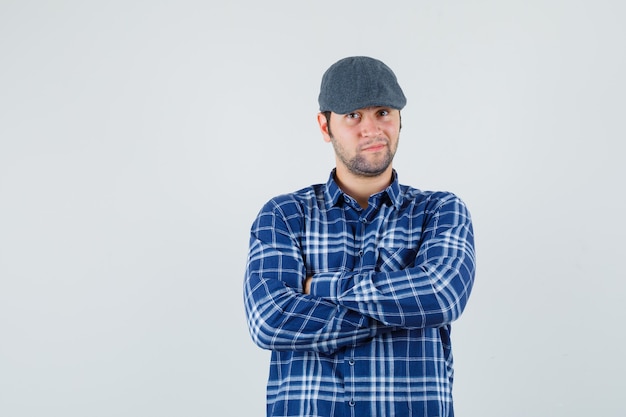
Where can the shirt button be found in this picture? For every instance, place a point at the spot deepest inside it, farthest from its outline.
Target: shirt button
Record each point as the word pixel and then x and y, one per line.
pixel 351 403
pixel 351 362
pixel 360 253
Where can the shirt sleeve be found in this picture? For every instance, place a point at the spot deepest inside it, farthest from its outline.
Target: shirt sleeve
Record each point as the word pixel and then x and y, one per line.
pixel 431 292
pixel 279 315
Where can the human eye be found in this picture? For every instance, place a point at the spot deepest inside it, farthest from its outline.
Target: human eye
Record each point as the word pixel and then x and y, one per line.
pixel 353 115
pixel 383 112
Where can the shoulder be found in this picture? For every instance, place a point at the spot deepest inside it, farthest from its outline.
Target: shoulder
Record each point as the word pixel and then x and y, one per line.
pixel 295 202
pixel 287 211
pixel 431 200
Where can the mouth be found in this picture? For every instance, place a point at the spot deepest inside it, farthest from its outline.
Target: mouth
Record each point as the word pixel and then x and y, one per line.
pixel 374 147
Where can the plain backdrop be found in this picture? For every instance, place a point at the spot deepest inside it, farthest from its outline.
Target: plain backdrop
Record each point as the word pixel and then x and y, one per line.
pixel 139 139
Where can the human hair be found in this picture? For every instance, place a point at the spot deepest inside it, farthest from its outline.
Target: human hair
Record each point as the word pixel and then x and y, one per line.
pixel 327 115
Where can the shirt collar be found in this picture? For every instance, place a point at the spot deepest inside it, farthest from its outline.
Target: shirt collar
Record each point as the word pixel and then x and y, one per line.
pixel 335 196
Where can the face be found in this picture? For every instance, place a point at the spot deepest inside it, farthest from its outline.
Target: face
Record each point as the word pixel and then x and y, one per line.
pixel 365 141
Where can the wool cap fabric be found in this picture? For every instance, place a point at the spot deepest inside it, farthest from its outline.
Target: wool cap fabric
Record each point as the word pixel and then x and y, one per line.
pixel 357 82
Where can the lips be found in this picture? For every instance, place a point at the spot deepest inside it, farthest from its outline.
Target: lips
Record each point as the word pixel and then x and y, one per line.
pixel 374 146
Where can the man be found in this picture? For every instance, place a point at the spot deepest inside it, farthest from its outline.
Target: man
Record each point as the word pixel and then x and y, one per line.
pixel 353 284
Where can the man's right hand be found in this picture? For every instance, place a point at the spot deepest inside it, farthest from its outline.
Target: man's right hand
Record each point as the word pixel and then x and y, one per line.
pixel 307 285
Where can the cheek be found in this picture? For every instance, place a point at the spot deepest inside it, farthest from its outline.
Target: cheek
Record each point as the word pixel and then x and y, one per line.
pixel 393 132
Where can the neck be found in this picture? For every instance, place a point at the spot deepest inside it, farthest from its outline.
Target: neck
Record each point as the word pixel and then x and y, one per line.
pixel 361 187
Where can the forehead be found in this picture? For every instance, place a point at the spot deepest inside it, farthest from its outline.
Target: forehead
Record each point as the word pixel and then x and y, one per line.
pixel 370 109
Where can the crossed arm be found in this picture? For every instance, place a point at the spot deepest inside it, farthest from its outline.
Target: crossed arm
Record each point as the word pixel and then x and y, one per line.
pixel 281 317
pixel 289 311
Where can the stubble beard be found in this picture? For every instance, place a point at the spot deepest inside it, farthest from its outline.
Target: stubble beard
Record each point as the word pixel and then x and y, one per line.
pixel 362 166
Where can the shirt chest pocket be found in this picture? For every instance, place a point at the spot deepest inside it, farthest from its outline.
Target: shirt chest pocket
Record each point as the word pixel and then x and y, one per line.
pixel 395 259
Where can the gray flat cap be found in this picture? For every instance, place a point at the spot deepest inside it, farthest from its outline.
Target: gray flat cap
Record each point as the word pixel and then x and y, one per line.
pixel 357 82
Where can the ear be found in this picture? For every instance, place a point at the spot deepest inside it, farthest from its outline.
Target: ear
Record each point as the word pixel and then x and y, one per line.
pixel 321 121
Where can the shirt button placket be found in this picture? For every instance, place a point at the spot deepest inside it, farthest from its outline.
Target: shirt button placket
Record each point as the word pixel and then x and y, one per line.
pixel 351 363
pixel 363 221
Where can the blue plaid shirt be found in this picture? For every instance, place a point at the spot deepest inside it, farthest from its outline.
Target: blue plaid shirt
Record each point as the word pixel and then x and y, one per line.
pixel 373 336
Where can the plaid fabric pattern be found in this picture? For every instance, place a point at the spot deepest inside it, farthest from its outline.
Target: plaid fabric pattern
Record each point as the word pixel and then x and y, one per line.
pixel 373 336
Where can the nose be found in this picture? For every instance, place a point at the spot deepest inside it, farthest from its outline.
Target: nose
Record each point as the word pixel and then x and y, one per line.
pixel 369 126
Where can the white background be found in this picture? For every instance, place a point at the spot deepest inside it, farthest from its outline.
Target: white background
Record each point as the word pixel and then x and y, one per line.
pixel 138 140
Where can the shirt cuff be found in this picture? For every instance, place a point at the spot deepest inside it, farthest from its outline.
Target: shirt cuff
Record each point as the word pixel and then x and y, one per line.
pixel 327 285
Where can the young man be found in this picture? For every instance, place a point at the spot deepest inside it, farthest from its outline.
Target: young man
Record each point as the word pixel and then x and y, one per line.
pixel 353 284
